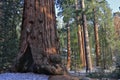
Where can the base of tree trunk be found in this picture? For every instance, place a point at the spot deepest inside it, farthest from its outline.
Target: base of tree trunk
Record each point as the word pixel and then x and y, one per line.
pixel 50 65
pixel 44 69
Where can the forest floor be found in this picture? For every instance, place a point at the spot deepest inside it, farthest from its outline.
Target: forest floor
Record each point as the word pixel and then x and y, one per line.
pixel 94 75
pixel 32 76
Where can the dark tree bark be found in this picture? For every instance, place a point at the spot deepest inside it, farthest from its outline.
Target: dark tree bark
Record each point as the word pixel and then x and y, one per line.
pixel 39 49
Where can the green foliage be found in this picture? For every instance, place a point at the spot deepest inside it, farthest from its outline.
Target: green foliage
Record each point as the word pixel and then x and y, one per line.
pixel 10 18
pixel 106 35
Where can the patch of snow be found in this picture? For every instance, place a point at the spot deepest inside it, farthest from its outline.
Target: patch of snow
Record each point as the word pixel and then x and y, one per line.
pixel 23 76
pixel 72 72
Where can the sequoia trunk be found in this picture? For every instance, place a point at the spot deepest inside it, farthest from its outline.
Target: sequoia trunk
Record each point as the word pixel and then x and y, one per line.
pixel 86 39
pixel 39 51
pixel 68 48
pixel 97 49
pixel 80 37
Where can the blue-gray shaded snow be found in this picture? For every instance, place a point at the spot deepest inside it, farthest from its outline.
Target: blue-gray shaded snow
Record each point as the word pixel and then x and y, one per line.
pixel 23 76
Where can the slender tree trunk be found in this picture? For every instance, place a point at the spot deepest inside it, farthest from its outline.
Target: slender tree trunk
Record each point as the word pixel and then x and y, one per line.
pixel 104 58
pixel 97 49
pixel 68 48
pixel 80 42
pixel 86 39
pixel 39 49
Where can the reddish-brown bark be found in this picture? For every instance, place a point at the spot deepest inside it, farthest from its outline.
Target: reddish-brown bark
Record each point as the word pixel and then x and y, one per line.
pixel 80 37
pixel 97 48
pixel 39 51
pixel 117 25
pixel 68 48
pixel 86 39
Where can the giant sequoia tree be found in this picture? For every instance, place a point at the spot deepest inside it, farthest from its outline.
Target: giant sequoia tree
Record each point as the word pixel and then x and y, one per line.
pixel 86 38
pixel 39 51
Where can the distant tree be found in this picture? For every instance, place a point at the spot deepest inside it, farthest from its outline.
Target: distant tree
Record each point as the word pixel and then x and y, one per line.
pixel 95 8
pixel 67 13
pixel 86 38
pixel 68 47
pixel 117 24
pixel 97 49
pixel 80 35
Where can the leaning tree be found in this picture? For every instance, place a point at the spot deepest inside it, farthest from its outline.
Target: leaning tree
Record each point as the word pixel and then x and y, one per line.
pixel 39 44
